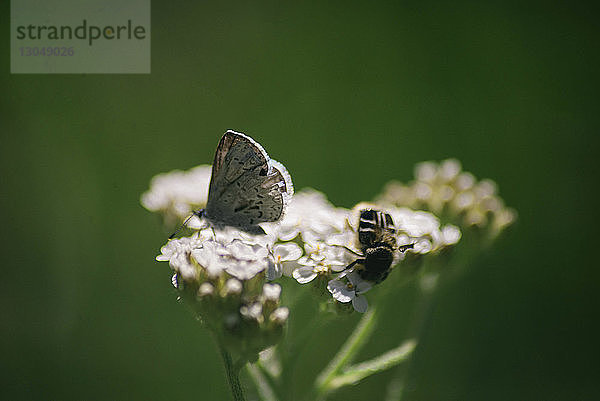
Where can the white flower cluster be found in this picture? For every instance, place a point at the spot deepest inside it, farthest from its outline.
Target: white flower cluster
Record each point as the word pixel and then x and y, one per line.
pixel 177 193
pixel 202 255
pixel 329 240
pixel 222 274
pixel 313 240
pixel 423 230
pixel 310 214
pixel 456 195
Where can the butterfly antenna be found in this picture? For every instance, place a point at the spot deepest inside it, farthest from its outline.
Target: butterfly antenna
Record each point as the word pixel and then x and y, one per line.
pixel 181 226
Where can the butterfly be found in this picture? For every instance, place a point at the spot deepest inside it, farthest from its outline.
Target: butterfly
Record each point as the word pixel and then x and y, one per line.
pixel 247 187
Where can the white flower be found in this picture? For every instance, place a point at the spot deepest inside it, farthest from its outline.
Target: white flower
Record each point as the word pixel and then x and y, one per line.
pixel 178 192
pixel 449 169
pixel 252 311
pixel 206 289
pixel 504 218
pixel 248 251
pixel 309 212
pixel 463 200
pixel 238 258
pixel 233 286
pixel 227 234
pixel 425 171
pixel 451 234
pixel 346 238
pixel 423 229
pixel 280 315
pixel 178 251
pixel 350 291
pixel 304 274
pixel 271 292
pixel 224 265
pixel 244 261
pixel 284 261
pixel 464 181
pixel 321 259
pixel 485 187
pixel 207 257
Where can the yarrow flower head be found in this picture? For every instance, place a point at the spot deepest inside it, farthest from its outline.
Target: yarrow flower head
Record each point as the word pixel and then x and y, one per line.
pixel 309 214
pixel 227 276
pixel 223 279
pixel 177 193
pixel 454 195
pixel 417 234
pixel 316 243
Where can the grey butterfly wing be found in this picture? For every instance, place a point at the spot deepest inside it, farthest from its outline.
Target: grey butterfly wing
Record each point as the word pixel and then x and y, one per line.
pixel 247 187
pixel 242 151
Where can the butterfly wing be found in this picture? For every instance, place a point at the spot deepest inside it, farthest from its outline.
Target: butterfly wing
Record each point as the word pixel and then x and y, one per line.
pixel 237 151
pixel 247 187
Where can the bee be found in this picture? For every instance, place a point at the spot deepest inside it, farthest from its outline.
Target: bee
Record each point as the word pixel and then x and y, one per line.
pixel 377 238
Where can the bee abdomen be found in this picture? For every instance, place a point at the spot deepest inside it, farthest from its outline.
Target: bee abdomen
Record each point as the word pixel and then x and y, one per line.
pixel 378 261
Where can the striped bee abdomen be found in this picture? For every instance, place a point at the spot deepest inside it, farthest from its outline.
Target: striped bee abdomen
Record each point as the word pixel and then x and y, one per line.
pixel 372 226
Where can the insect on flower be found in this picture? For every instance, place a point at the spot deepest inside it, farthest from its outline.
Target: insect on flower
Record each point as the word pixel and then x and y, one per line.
pixel 247 187
pixel 377 237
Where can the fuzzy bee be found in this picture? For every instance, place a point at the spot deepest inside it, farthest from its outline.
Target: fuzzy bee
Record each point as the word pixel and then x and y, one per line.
pixel 377 237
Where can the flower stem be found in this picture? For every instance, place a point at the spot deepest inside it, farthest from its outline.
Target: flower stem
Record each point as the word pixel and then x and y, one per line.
pixel 263 387
pixel 397 387
pixel 348 351
pixel 233 375
pixel 353 374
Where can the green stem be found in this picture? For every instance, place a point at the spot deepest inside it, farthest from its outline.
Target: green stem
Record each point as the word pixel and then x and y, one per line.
pixel 263 386
pixel 353 374
pixel 294 345
pixel 233 375
pixel 347 352
pixel 397 387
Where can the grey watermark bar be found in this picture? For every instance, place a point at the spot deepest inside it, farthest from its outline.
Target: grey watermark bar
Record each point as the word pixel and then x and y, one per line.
pixel 80 36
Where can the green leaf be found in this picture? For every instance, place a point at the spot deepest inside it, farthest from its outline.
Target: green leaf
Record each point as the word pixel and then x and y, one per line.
pixel 355 373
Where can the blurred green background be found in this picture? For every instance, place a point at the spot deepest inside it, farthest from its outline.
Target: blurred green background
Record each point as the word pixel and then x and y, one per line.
pixel 348 95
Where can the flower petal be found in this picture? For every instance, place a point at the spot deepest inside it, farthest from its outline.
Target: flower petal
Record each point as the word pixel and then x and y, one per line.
pixel 340 291
pixel 360 286
pixel 204 256
pixel 360 304
pixel 274 270
pixel 288 251
pixel 272 291
pixel 304 274
pixel 306 261
pixel 245 269
pixel 287 268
